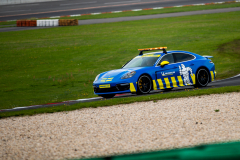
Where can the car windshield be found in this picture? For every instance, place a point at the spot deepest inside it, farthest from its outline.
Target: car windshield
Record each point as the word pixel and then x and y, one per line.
pixel 142 61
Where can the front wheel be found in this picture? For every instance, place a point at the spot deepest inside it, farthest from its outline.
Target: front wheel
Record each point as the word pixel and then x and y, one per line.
pixel 108 95
pixel 202 78
pixel 144 84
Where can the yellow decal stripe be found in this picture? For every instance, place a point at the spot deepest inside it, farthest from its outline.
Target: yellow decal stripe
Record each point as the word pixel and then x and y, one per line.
pixel 132 88
pixel 167 83
pixel 193 78
pixel 160 83
pixel 180 81
pixel 174 82
pixel 212 75
pixel 154 85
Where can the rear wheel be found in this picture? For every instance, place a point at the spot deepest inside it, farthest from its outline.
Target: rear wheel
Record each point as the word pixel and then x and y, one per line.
pixel 202 78
pixel 144 84
pixel 108 95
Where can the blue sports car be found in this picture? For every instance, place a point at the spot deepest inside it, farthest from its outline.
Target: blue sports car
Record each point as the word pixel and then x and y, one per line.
pixel 156 70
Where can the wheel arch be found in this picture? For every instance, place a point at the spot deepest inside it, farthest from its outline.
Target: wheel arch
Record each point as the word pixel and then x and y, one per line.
pixel 149 77
pixel 204 67
pixel 147 74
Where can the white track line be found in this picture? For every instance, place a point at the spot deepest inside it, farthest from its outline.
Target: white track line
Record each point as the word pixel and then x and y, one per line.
pixel 123 2
pixel 68 4
pixel 178 6
pixel 116 11
pixel 95 13
pixel 88 99
pixel 137 10
pixel 158 8
pixel 75 15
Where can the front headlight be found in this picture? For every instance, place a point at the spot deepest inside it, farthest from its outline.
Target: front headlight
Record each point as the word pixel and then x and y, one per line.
pixel 96 78
pixel 128 75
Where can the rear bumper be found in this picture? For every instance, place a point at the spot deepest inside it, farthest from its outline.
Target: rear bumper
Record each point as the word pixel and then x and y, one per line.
pixel 213 75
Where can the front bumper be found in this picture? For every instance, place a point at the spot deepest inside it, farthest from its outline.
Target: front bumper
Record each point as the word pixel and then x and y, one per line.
pixel 114 88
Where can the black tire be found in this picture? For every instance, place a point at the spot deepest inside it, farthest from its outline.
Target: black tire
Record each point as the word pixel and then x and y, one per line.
pixel 144 84
pixel 202 78
pixel 108 95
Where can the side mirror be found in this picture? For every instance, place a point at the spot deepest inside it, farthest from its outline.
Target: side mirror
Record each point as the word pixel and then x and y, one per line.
pixel 163 63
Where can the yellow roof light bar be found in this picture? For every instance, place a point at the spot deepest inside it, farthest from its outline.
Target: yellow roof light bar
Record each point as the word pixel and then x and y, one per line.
pixel 151 49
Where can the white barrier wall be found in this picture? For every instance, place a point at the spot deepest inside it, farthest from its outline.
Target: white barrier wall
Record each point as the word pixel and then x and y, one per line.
pixel 6 2
pixel 47 23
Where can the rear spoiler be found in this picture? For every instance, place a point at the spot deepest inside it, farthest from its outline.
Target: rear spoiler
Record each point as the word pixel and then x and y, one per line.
pixel 150 49
pixel 208 57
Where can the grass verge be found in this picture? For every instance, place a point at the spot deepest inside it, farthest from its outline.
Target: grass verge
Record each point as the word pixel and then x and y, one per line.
pixel 7 26
pixel 57 64
pixel 116 101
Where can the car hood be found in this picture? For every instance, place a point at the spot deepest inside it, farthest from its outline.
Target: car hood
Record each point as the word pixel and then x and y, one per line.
pixel 115 74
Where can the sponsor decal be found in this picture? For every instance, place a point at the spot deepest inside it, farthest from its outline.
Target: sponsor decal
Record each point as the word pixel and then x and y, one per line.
pixel 184 71
pixel 107 79
pixel 167 73
pixel 104 86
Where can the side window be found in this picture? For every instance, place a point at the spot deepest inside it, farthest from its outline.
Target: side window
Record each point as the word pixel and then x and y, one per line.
pixel 181 57
pixel 167 57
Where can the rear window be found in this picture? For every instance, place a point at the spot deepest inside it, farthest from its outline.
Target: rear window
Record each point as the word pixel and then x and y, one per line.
pixel 181 57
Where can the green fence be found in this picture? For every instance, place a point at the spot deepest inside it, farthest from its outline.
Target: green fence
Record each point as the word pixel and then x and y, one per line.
pixel 224 151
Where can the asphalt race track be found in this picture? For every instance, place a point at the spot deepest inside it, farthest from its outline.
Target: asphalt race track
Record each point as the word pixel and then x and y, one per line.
pixel 72 7
pixel 109 20
pixel 233 81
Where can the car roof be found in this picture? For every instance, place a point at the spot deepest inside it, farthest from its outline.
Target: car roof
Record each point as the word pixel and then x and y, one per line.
pixel 161 53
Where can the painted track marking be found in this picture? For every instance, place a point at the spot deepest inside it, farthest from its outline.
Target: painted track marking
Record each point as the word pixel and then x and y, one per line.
pixel 77 3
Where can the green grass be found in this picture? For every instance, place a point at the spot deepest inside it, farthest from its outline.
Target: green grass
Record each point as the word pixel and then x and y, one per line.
pixel 56 64
pixel 230 53
pixel 7 26
pixel 7 23
pixel 115 101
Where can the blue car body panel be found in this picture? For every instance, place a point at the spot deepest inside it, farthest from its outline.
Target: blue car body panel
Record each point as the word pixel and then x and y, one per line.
pixel 168 76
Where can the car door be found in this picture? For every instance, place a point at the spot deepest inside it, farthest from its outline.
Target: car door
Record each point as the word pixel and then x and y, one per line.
pixel 185 64
pixel 166 75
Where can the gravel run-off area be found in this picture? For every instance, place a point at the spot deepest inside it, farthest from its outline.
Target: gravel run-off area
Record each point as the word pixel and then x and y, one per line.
pixel 121 129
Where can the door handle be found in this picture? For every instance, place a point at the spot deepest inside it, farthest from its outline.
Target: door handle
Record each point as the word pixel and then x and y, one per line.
pixel 191 64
